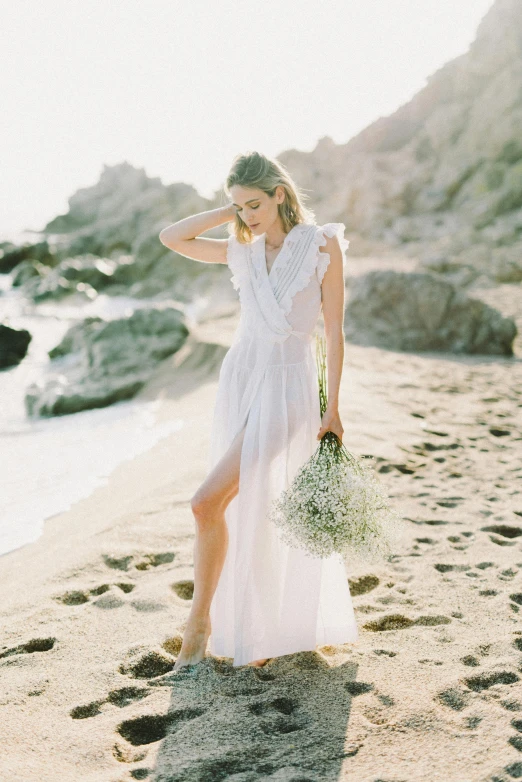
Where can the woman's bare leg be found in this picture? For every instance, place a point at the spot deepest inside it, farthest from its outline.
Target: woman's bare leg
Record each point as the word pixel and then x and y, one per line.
pixel 210 548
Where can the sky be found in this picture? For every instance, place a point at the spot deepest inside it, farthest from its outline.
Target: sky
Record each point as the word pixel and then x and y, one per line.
pixel 180 88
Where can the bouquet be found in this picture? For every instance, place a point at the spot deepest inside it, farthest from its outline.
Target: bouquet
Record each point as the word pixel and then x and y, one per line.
pixel 335 502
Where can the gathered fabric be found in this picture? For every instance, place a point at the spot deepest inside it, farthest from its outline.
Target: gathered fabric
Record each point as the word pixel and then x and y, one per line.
pixel 271 599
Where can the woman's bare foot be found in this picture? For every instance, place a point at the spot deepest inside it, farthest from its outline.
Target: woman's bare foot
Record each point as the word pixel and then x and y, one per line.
pixel 259 663
pixel 194 643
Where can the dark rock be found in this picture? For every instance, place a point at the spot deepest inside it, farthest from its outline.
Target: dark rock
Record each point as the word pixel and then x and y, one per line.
pixel 83 274
pixel 423 312
pixel 100 362
pixel 9 259
pixel 28 270
pixel 13 345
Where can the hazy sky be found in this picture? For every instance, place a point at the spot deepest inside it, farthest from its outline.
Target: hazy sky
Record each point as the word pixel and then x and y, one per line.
pixel 179 88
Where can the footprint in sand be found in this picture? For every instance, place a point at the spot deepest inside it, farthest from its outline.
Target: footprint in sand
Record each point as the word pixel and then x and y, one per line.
pixel 147 666
pixel 77 597
pixel 121 697
pixel 484 681
pixel 454 698
pixel 363 584
pixel 514 769
pixel 278 715
pixel 184 589
pixel 34 645
pixel 404 469
pixel 517 643
pixel 511 704
pixel 428 446
pixel 139 562
pixel 502 534
pixel 470 660
pixel 150 728
pixel 460 542
pixel 508 574
pixel 358 688
pixel 517 724
pixel 458 697
pixel 449 568
pixel 401 622
pixel 516 601
pixel 449 502
pixel 430 522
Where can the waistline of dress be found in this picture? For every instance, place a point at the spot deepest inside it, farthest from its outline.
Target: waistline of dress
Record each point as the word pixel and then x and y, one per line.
pixel 259 336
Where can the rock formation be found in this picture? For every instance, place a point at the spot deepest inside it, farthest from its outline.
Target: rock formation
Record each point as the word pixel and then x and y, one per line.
pixel 421 312
pixel 445 169
pixel 13 345
pixel 100 362
pixel 122 215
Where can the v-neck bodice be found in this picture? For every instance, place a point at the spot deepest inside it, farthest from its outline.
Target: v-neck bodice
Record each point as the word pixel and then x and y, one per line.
pixel 283 246
pixel 286 300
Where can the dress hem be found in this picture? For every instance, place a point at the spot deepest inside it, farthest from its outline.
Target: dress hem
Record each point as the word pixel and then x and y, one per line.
pixel 283 646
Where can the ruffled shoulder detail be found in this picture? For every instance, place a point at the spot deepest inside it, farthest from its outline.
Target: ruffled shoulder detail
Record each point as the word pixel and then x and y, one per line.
pixel 330 229
pixel 236 260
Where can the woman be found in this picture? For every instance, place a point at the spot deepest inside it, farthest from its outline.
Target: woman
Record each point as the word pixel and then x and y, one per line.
pixel 254 597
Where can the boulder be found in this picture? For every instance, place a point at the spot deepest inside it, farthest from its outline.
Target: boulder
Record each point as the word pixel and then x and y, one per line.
pixel 423 312
pixel 463 266
pixel 86 274
pixel 13 345
pixel 100 362
pixel 123 213
pixel 10 258
pixel 28 270
pixel 458 272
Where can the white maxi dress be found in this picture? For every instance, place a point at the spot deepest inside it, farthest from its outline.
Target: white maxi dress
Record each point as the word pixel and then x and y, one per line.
pixel 272 599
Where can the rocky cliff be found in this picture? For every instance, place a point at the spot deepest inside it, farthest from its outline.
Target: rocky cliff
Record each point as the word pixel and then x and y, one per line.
pixel 446 167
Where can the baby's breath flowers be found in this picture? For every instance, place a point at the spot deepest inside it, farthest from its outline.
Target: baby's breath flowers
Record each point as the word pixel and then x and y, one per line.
pixel 335 502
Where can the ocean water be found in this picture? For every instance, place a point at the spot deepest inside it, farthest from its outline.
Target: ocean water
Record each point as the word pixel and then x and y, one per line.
pixel 48 464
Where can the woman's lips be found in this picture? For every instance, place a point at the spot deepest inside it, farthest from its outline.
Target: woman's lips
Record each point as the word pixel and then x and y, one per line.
pixel 253 226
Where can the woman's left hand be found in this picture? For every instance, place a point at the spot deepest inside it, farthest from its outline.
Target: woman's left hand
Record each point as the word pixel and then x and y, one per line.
pixel 331 422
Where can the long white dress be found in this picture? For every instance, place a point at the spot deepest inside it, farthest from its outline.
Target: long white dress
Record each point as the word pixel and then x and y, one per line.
pixel 272 599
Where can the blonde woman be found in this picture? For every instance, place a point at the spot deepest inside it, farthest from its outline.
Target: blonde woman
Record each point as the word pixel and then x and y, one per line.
pixel 255 598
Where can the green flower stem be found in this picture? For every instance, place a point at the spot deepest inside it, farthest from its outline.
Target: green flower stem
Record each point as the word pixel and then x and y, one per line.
pixel 320 355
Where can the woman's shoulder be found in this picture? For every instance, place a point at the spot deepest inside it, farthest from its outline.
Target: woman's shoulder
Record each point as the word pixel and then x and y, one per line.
pixel 331 231
pixel 237 253
pixel 330 236
pixel 325 234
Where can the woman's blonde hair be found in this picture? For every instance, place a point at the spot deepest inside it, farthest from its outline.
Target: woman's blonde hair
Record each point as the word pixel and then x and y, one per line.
pixel 252 169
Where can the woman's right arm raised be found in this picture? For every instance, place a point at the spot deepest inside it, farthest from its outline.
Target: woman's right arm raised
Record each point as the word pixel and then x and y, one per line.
pixel 182 237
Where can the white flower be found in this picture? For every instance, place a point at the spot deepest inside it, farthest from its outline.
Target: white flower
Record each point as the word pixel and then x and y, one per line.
pixel 336 503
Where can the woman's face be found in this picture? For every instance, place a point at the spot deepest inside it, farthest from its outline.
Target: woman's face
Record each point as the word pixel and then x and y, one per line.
pixel 257 209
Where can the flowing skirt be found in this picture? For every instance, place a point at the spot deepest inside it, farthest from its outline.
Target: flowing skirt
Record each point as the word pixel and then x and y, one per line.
pixel 272 599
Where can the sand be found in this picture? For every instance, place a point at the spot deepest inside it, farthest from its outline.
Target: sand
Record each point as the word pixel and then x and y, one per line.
pixel 92 613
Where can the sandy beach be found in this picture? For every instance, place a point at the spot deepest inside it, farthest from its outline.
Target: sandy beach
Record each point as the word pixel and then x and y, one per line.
pixel 93 612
